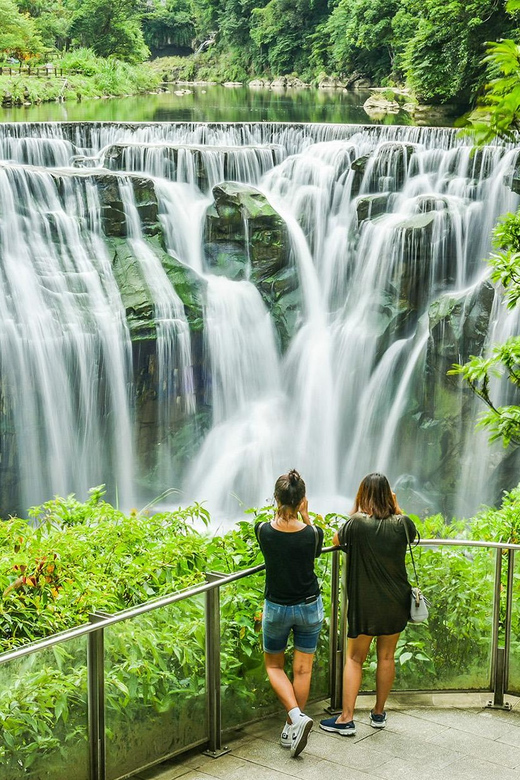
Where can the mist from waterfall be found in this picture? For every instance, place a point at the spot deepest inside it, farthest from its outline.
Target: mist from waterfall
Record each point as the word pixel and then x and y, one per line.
pixel 374 243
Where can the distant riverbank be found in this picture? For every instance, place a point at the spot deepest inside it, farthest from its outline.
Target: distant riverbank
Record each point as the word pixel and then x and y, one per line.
pixel 76 76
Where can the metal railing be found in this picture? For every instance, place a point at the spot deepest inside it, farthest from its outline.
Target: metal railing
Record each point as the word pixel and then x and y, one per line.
pixel 95 632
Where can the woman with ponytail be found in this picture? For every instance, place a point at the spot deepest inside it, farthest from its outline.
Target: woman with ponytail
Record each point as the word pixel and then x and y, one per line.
pixel 290 544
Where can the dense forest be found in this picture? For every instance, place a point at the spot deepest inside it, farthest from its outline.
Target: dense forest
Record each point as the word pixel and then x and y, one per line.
pixel 433 46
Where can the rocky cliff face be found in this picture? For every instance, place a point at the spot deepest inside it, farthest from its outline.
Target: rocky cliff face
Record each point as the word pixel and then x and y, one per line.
pixel 245 238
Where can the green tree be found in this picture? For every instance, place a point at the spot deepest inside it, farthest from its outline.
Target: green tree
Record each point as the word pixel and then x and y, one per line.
pixel 283 34
pixel 111 28
pixel 52 19
pixel 18 33
pixel 361 37
pixel 443 58
pixel 501 104
pixel 169 23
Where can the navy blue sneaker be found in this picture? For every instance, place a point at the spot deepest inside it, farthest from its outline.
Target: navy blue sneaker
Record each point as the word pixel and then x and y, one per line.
pixel 378 721
pixel 345 729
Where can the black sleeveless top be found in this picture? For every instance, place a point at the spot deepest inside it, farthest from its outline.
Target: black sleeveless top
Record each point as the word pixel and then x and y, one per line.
pixel 377 583
pixel 289 563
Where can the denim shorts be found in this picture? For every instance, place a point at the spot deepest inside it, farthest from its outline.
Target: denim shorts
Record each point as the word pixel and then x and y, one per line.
pixel 305 620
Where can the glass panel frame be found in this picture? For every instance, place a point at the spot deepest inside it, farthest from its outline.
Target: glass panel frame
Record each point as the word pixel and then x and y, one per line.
pixel 43 711
pixel 513 686
pixel 453 649
pixel 155 688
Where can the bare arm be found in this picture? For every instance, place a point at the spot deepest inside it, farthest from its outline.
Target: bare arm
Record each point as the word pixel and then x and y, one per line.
pixel 303 509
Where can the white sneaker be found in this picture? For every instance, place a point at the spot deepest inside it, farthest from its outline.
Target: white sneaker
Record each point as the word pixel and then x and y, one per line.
pixel 285 736
pixel 300 732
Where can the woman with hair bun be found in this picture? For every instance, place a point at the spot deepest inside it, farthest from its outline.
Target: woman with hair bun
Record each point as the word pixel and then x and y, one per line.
pixel 290 544
pixel 375 540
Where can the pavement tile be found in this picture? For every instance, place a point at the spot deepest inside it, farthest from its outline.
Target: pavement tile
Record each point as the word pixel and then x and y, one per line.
pixel 165 771
pixel 482 748
pixel 475 769
pixel 344 751
pixel 234 768
pixel 469 720
pixel 404 723
pixel 331 771
pixel 273 755
pixel 408 770
pixel 423 753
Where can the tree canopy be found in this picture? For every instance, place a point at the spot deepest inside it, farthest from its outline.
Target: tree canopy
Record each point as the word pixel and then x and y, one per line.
pixel 435 46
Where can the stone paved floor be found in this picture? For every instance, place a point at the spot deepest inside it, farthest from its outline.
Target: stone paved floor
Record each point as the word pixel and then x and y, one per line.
pixel 440 737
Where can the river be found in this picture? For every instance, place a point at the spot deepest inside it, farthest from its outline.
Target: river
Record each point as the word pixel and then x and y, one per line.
pixel 213 103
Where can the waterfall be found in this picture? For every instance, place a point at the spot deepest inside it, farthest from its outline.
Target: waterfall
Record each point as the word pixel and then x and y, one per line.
pixel 65 347
pixel 213 371
pixel 175 388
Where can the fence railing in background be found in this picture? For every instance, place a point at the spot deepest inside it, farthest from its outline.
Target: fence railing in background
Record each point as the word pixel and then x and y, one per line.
pixel 96 630
pixel 40 72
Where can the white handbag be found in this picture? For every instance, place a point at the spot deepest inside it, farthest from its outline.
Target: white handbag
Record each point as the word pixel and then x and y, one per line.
pixel 418 607
pixel 418 603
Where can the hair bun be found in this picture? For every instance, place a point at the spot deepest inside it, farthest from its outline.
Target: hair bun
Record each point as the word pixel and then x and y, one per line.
pixel 294 477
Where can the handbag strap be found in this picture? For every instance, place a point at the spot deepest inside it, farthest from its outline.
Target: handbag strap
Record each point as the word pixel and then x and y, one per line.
pixel 411 553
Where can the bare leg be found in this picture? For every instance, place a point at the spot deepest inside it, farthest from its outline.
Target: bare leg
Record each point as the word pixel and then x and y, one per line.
pixel 282 686
pixel 357 651
pixel 385 669
pixel 302 671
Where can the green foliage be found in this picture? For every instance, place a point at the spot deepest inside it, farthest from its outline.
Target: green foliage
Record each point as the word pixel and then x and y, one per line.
pixel 18 33
pixel 169 23
pixel 502 421
pixel 442 58
pixel 498 112
pixel 361 37
pixel 52 20
pixel 110 29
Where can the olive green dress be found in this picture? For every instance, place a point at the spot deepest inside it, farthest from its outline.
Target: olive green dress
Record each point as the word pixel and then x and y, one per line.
pixel 377 584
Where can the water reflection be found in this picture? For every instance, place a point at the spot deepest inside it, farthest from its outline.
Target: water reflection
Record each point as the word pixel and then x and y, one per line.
pixel 213 103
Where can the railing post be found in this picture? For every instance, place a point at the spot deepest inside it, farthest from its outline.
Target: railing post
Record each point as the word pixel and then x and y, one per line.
pixel 213 702
pixel 96 701
pixel 335 638
pixel 509 614
pixel 498 654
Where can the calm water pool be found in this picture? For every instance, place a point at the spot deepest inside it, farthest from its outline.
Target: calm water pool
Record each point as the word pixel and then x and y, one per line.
pixel 214 103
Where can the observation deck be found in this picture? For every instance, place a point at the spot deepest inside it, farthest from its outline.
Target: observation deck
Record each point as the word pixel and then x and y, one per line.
pixel 141 693
pixel 427 736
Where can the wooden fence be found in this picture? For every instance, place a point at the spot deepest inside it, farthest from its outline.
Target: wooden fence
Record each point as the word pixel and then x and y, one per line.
pixel 40 72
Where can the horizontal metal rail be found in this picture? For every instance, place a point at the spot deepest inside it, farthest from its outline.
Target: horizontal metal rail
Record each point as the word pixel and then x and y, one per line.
pixel 173 598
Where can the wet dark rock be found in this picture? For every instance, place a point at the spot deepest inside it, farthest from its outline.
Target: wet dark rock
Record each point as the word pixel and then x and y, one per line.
pixel 371 206
pixel 112 208
pixel 390 166
pixel 135 293
pixel 246 238
pixel 458 328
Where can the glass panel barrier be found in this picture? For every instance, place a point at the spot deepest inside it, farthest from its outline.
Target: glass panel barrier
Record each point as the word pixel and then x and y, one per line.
pixel 514 656
pixel 452 650
pixel 246 692
pixel 155 685
pixel 43 714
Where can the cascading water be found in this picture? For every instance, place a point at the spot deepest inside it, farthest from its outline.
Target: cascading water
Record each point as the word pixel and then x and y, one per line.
pixel 65 347
pixel 334 361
